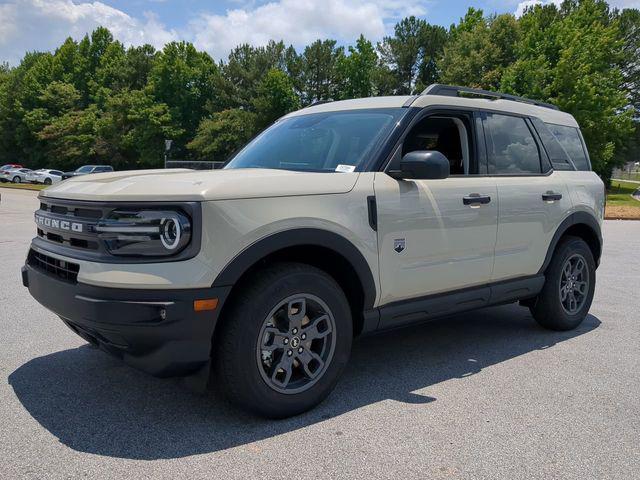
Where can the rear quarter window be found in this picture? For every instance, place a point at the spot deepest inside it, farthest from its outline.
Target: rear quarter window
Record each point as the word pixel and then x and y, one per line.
pixel 571 141
pixel 556 152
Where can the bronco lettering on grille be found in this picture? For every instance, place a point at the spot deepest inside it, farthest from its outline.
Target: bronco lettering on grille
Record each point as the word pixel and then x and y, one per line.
pixel 59 224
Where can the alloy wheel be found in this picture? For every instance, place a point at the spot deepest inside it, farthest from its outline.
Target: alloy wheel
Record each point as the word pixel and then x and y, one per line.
pixel 574 283
pixel 296 343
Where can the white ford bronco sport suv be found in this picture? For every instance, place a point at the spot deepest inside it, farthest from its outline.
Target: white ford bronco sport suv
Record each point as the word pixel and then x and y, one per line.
pixel 340 219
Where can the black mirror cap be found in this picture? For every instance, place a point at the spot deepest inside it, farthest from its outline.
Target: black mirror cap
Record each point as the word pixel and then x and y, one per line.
pixel 423 165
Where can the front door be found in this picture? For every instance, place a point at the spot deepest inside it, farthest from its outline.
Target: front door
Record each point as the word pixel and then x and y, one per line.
pixel 436 235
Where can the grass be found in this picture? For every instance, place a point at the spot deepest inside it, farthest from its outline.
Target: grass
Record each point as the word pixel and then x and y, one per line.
pixel 620 203
pixel 620 194
pixel 22 186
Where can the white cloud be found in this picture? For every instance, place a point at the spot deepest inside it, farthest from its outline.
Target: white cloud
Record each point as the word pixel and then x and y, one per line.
pixel 27 25
pixel 522 6
pixel 299 22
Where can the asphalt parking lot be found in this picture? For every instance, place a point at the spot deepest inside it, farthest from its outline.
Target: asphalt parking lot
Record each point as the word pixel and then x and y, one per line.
pixel 487 394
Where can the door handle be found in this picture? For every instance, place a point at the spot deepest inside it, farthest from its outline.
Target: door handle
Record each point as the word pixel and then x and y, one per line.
pixel 475 199
pixel 551 196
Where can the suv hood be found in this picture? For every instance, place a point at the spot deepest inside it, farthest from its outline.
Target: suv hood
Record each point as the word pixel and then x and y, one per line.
pixel 199 185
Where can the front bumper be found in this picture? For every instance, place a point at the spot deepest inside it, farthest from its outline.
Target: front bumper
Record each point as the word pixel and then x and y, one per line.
pixel 157 331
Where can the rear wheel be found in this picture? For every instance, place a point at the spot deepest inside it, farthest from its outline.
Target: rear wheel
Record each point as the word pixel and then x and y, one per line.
pixel 47 181
pixel 568 291
pixel 285 340
pixel 16 179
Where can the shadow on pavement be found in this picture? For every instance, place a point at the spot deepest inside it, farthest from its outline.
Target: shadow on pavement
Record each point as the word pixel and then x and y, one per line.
pixel 93 403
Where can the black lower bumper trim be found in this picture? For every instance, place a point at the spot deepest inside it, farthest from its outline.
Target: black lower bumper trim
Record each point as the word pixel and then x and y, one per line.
pixel 156 331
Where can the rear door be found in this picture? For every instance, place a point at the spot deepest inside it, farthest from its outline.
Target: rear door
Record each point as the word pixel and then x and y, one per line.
pixel 532 198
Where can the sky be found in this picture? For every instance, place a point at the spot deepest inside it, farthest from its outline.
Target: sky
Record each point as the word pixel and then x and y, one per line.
pixel 218 26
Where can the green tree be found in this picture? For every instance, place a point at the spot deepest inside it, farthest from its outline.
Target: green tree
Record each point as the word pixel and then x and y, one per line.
pixel 629 21
pixel 71 138
pixel 222 134
pixel 479 50
pixel 138 64
pixel 578 70
pixel 401 53
pixel 110 73
pixel 243 72
pixel 22 94
pixel 183 79
pixel 319 71
pixel 275 97
pixel 630 67
pixel 356 70
pixel 411 55
pixel 132 129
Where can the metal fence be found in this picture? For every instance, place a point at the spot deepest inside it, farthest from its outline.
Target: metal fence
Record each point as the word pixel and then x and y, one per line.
pixel 630 173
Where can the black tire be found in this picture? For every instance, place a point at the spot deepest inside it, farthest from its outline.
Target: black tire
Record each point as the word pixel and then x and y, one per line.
pixel 548 309
pixel 47 181
pixel 16 179
pixel 237 368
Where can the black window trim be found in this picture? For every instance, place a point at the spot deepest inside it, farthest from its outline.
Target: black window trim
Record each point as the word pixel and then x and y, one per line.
pixel 431 110
pixel 585 150
pixel 571 162
pixel 542 154
pixel 398 138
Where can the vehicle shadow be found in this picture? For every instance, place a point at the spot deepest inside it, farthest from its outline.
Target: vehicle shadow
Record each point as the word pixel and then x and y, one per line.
pixel 93 403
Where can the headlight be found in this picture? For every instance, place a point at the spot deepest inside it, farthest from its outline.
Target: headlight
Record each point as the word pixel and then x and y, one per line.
pixel 149 233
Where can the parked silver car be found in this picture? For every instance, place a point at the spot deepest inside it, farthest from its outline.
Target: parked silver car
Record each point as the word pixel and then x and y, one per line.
pixel 87 169
pixel 15 175
pixel 45 176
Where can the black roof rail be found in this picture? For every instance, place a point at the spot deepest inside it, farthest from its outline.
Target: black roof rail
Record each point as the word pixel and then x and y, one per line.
pixel 455 91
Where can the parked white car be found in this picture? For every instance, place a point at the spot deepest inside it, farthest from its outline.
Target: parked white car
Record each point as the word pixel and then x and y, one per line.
pixel 15 175
pixel 45 176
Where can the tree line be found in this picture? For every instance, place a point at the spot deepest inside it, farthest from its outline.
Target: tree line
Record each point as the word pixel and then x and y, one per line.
pixel 95 101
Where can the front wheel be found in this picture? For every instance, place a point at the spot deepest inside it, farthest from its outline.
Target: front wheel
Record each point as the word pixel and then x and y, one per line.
pixel 16 179
pixel 284 341
pixel 568 291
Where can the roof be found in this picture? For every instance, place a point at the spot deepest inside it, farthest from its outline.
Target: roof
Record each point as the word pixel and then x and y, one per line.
pixel 547 115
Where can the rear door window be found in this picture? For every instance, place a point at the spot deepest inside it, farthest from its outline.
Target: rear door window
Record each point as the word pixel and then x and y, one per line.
pixel 511 147
pixel 571 141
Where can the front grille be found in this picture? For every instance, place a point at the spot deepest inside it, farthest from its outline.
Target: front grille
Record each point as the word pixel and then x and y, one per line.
pixel 61 269
pixel 75 211
pixel 69 241
pixel 68 228
pixel 55 220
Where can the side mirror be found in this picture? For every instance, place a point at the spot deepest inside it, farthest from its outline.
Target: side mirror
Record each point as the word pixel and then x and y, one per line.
pixel 422 165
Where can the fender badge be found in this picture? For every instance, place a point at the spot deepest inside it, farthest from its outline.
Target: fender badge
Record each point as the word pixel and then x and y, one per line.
pixel 399 245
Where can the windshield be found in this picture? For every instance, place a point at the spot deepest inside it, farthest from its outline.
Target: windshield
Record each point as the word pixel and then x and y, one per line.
pixel 319 142
pixel 86 168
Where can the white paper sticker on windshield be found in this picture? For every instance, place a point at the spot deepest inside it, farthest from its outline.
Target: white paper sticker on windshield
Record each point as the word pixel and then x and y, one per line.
pixel 345 168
